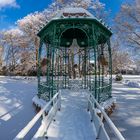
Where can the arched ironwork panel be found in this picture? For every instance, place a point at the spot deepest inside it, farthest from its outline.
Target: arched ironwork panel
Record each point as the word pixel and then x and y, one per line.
pixel 78 53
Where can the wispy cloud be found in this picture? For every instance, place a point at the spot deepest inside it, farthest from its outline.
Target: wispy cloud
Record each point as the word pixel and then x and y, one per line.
pixel 9 3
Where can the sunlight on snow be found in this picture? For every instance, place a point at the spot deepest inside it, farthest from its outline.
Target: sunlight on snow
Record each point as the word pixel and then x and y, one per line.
pixel 3 89
pixel 134 121
pixel 6 109
pixel 7 112
pixel 126 89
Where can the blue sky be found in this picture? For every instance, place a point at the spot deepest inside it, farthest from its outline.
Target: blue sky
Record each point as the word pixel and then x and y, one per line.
pixel 12 10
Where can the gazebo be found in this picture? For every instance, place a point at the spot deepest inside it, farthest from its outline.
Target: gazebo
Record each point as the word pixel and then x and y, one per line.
pixel 75 50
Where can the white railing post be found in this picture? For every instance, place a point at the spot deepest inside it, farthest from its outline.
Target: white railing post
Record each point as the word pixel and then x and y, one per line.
pixel 88 105
pixel 100 127
pixel 45 122
pixel 59 99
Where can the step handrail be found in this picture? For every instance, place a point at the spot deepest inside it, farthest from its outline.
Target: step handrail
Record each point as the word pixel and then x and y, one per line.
pixel 115 130
pixel 30 125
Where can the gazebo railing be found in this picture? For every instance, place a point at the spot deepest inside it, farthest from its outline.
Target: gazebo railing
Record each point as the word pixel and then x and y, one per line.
pixel 50 108
pixel 98 117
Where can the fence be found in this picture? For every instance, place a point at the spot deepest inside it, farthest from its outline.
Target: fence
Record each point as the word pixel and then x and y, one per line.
pixel 50 108
pixel 97 119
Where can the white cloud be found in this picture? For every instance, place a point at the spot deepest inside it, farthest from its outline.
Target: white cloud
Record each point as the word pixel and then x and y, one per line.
pixel 9 3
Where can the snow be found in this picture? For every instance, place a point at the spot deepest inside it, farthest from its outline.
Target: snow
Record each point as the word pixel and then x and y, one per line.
pixel 77 12
pixel 23 78
pixel 135 84
pixel 16 108
pixel 39 102
pixel 129 77
pixel 131 80
pixel 73 11
pixel 126 115
pixel 73 121
pixel 108 103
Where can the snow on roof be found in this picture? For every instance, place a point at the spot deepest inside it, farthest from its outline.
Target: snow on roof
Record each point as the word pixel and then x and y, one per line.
pixel 78 12
pixel 74 12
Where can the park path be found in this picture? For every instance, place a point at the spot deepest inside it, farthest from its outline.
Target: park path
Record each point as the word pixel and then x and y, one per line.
pixel 73 121
pixel 127 113
pixel 16 108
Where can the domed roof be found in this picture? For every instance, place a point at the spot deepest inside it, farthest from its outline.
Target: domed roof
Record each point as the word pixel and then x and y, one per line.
pixel 74 12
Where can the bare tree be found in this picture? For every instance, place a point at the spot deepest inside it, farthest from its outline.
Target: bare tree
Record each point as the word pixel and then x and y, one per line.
pixel 1 51
pixel 14 43
pixel 120 58
pixel 128 24
pixel 30 25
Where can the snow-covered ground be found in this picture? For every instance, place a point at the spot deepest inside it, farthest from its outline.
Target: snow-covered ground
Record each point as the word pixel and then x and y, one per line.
pixel 127 113
pixel 16 111
pixel 131 77
pixel 73 121
pixel 131 83
pixel 16 108
pixel 130 80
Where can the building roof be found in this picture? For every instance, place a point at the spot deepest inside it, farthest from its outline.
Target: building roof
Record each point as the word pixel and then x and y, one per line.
pixel 74 12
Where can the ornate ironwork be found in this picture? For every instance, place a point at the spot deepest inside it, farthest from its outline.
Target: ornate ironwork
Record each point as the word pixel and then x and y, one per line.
pixel 89 60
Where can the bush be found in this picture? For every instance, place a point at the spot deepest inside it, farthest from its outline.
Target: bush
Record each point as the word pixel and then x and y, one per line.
pixel 118 77
pixel 32 73
pixel 3 71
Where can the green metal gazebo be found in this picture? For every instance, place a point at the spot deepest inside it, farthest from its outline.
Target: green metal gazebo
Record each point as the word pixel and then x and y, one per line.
pixel 75 50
